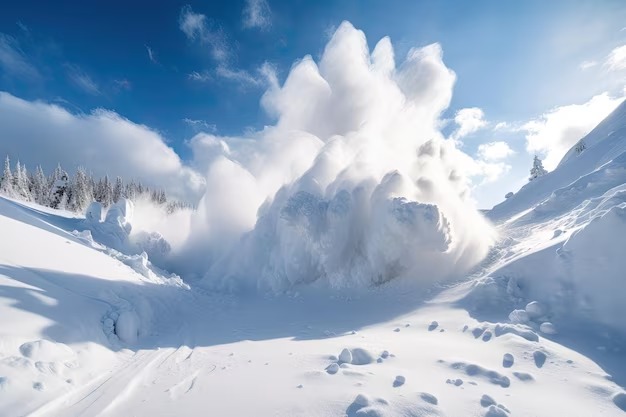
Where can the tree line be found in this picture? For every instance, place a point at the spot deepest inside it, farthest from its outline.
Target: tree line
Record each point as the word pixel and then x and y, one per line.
pixel 60 191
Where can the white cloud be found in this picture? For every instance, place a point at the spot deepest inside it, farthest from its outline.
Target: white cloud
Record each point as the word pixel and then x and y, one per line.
pixel 122 84
pixel 198 28
pixel 555 132
pixel 82 80
pixel 257 14
pixel 585 65
pixel 103 142
pixel 494 151
pixel 199 125
pixel 501 126
pixel 13 61
pixel 616 60
pixel 239 76
pixel 203 76
pixel 151 55
pixel 469 120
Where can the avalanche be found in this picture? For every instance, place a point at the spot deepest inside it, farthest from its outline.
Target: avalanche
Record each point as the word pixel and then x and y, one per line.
pixel 375 287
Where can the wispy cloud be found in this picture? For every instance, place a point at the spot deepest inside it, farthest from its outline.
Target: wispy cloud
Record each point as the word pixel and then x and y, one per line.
pixel 82 80
pixel 151 55
pixel 203 76
pixel 199 29
pixel 585 65
pixel 122 84
pixel 242 77
pixel 198 125
pixel 257 14
pixel 616 60
pixel 13 61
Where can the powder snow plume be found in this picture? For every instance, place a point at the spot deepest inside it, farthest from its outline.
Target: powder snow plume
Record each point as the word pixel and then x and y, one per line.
pixel 352 187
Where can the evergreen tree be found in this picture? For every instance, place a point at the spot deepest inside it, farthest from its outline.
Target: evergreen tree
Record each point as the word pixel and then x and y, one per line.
pixel 59 190
pixel 40 187
pixel 80 196
pixel 6 184
pixel 537 170
pixel 580 147
pixel 131 190
pixel 118 190
pixel 21 185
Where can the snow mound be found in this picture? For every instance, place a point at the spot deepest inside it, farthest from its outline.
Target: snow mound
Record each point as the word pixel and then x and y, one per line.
pixel 581 278
pixel 46 350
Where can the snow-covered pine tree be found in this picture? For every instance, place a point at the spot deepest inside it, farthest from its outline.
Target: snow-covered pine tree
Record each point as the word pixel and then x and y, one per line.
pixel 130 190
pixel 107 192
pixel 580 147
pixel 537 170
pixel 81 195
pixel 118 190
pixel 59 190
pixel 21 185
pixel 6 183
pixel 40 189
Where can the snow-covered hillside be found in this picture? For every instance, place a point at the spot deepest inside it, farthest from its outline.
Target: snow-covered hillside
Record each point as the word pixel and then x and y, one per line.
pixel 88 326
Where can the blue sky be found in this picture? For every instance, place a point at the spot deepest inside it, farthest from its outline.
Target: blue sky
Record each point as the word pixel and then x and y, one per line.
pixel 516 61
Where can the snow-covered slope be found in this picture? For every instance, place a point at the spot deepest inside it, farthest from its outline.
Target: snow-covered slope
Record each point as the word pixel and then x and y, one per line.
pixel 89 327
pixel 89 331
pixel 604 143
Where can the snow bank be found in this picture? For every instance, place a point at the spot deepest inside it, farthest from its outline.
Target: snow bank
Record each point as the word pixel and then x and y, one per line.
pixel 581 279
pixel 353 186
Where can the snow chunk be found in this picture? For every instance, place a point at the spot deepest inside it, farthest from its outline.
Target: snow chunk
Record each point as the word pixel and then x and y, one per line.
pixel 94 212
pixel 332 369
pixel 400 380
pixel 121 214
pixel 535 310
pixel 507 360
pixel 361 400
pixel 345 356
pixel 361 356
pixel 519 317
pixel 547 328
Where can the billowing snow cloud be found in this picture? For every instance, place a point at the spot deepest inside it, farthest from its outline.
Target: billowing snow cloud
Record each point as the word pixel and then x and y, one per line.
pixel 556 131
pixel 353 186
pixel 103 141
